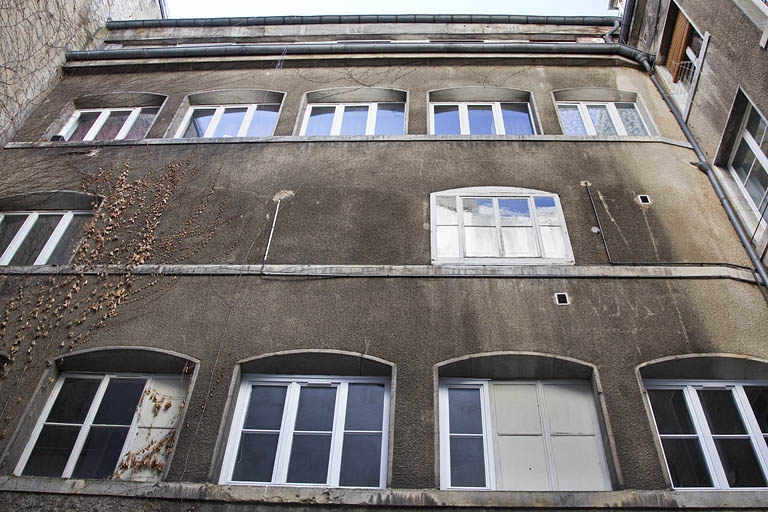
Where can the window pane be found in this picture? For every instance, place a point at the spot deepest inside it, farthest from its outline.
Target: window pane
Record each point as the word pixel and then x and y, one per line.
pixel 445 213
pixel 670 411
pixel 464 412
pixel 8 229
pixel 51 451
pixel 230 122
pixel 118 405
pixel 631 119
pixel 481 120
pixel 742 160
pixel 73 401
pixel 446 120
pixel 198 123
pixel 756 126
pixel 519 242
pixel 309 459
pixel 721 412
pixel 447 241
pixel 100 453
pixel 84 123
pixel 686 463
pixel 390 119
pixel 467 462
pixel 365 407
pixel 263 121
pixel 361 460
pixel 571 119
pixel 547 212
pixel 36 239
pixel 515 212
pixel 552 241
pixel 320 121
pixel 265 407
pixel 758 399
pixel 316 408
pixel 354 120
pixel 517 120
pixel 142 123
pixel 481 242
pixel 739 462
pixel 478 211
pixel 601 120
pixel 757 184
pixel 113 125
pixel 255 457
pixel 69 241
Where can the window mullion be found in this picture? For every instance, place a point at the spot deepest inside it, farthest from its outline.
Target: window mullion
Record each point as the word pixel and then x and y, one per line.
pixel 756 149
pixel 464 119
pixel 547 436
pixel 498 119
pixel 615 119
pixel 54 239
pixel 460 224
pixel 18 239
pixel 536 227
pixel 753 428
pixel 338 116
pixel 103 116
pixel 384 455
pixel 490 465
pixel 214 122
pixel 134 426
pixel 337 435
pixel 497 220
pixel 586 119
pixel 370 123
pixel 85 428
pixel 445 437
pixel 249 113
pixel 285 443
pixel 185 122
pixel 128 124
pixel 706 441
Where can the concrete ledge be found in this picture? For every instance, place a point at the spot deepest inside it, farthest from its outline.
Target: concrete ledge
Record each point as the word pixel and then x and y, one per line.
pixel 393 498
pixel 671 271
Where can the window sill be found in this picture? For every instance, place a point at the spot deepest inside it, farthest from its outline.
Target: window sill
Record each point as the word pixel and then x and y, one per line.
pixel 394 498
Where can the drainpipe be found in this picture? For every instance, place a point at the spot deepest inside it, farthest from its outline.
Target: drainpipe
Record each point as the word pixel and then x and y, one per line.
pixel 704 166
pixel 616 25
pixel 626 21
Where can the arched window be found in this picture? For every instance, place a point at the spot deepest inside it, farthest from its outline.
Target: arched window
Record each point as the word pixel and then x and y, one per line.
pixel 597 112
pixel 310 418
pixel 112 413
pixel 481 111
pixel 354 111
pixel 43 228
pixel 521 421
pixel 498 225
pixel 231 113
pixel 711 416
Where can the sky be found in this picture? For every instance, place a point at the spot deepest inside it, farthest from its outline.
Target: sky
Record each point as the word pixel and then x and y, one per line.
pixel 234 8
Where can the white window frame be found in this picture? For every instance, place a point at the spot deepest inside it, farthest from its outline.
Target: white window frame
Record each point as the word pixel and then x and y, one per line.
pixel 760 156
pixel 53 240
pixel 498 193
pixel 219 112
pixel 613 114
pixel 290 409
pixel 338 116
pixel 104 114
pixel 492 468
pixel 498 119
pixel 89 418
pixel 703 432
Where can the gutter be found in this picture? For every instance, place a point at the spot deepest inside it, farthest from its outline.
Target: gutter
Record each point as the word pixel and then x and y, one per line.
pixel 606 21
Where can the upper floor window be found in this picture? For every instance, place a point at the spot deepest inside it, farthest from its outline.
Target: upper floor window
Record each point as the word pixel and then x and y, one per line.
pixel 109 124
pixel 366 111
pixel 749 160
pixel 480 111
pixel 493 225
pixel 40 237
pixel 600 112
pixel 713 433
pixel 230 113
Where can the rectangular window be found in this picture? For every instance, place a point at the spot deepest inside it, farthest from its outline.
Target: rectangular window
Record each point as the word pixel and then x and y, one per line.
pixel 520 435
pixel 749 160
pixel 106 426
pixel 40 238
pixel 319 431
pixel 496 118
pixel 713 434
pixel 597 119
pixel 109 124
pixel 348 119
pixel 485 226
pixel 252 120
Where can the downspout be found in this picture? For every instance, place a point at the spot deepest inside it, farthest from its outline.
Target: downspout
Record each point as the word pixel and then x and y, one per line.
pixel 626 21
pixel 616 25
pixel 704 166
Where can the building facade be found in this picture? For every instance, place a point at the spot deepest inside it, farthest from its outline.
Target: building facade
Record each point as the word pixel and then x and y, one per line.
pixel 394 262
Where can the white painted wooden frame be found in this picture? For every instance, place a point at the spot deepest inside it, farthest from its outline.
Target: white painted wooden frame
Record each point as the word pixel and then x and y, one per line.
pixel 104 114
pixel 613 114
pixel 760 157
pixel 293 385
pixel 219 110
pixel 498 119
pixel 338 116
pixel 24 230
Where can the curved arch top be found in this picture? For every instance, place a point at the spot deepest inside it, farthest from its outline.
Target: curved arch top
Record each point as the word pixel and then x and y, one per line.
pixel 318 362
pixel 494 190
pixel 127 360
pixel 49 200
pixel 594 94
pixel 234 96
pixel 716 366
pixel 357 94
pixel 120 99
pixel 515 365
pixel 478 93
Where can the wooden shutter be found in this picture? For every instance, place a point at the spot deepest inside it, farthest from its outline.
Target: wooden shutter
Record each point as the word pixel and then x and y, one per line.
pixel 677 45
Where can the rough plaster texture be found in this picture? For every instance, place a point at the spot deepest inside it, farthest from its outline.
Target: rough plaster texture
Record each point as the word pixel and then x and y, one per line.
pixel 33 38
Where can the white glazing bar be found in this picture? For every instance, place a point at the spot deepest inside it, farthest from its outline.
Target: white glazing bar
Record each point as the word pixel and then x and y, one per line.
pixel 24 230
pixel 214 122
pixel 247 119
pixel 615 119
pixel 128 124
pixel 103 116
pixel 54 239
pixel 85 428
pixel 370 124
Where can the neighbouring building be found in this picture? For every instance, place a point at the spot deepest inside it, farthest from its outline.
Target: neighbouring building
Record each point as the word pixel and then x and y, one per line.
pixel 462 262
